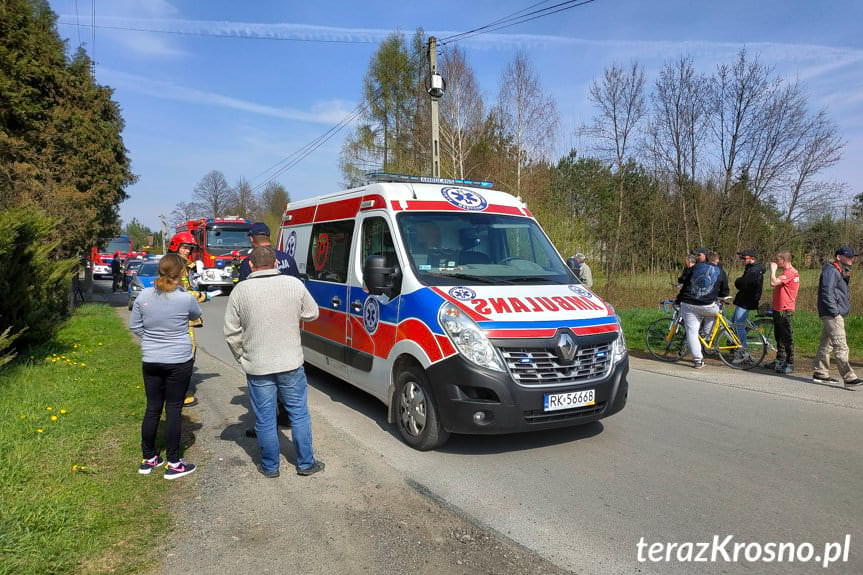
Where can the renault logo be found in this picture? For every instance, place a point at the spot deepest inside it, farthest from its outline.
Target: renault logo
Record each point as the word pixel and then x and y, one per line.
pixel 566 348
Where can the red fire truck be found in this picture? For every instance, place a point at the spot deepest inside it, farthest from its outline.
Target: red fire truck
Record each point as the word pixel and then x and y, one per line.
pixel 218 241
pixel 100 259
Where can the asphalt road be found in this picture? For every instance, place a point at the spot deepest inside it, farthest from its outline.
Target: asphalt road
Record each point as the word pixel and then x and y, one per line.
pixel 695 454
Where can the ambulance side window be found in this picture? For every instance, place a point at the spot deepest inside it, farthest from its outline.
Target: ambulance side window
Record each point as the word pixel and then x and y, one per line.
pixel 328 251
pixel 378 241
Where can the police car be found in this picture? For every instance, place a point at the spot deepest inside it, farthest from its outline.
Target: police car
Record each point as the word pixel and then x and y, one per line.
pixel 446 300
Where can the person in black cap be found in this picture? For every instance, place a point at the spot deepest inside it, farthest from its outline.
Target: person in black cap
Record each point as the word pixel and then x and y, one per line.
pixel 259 232
pixel 749 287
pixel 834 303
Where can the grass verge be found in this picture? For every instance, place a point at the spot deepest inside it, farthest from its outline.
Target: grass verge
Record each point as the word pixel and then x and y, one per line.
pixel 70 416
pixel 807 330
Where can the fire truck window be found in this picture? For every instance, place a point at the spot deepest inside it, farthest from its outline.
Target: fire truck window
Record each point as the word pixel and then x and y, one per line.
pixel 329 249
pixel 378 241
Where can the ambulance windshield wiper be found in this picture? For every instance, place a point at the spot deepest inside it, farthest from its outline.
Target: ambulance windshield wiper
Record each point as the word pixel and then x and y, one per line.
pixel 482 279
pixel 528 279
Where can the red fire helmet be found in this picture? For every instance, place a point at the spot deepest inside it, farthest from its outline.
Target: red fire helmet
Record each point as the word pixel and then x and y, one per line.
pixel 181 238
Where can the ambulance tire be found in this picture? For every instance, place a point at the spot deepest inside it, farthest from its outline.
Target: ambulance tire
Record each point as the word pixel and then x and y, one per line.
pixel 416 413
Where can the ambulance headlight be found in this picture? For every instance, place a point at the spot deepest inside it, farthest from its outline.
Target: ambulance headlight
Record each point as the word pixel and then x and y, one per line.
pixel 619 345
pixel 468 338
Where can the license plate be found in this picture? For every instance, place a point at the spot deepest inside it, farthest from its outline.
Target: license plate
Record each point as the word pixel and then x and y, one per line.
pixel 568 400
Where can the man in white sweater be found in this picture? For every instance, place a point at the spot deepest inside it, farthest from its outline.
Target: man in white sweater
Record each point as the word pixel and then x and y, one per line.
pixel 262 328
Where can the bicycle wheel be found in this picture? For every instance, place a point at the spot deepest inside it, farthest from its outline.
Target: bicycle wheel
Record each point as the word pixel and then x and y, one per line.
pixel 765 326
pixel 746 357
pixel 665 339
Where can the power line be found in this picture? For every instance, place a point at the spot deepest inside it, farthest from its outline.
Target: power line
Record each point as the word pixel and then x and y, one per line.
pixel 499 20
pixel 303 152
pixel 77 22
pixel 228 35
pixel 514 20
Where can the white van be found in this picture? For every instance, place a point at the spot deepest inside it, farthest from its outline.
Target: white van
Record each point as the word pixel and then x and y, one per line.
pixel 446 300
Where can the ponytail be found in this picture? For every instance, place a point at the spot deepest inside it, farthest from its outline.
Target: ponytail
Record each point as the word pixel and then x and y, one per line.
pixel 171 270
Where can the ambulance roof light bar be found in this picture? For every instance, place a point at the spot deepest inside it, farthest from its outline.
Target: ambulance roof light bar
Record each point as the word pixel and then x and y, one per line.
pixel 387 177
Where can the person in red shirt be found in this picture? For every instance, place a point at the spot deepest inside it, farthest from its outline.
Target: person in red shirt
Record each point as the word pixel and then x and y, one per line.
pixel 785 288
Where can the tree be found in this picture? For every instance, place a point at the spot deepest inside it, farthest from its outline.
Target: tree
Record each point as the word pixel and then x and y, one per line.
pixel 245 203
pixel 385 139
pixel 185 211
pixel 675 135
pixel 528 116
pixel 138 233
pixel 213 194
pixel 274 199
pixel 462 114
pixel 619 99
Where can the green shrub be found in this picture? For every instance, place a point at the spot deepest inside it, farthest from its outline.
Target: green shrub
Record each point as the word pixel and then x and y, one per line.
pixel 33 282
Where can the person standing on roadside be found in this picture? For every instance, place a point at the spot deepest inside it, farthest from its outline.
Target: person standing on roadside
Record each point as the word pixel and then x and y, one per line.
pixel 785 288
pixel 116 272
pixel 582 270
pixel 702 287
pixel 183 244
pixel 749 287
pixel 834 303
pixel 259 233
pixel 160 317
pixel 262 329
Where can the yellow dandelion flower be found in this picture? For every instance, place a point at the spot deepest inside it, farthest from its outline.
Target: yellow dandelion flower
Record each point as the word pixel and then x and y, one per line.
pixel 74 468
pixel 49 408
pixel 82 364
pixel 54 418
pixel 100 343
pixel 63 412
pixel 39 430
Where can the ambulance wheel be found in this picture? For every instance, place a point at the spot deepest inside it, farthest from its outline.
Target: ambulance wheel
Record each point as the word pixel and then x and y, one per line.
pixel 416 413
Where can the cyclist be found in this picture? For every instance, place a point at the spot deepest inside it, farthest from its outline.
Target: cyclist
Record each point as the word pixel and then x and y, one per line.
pixel 183 244
pixel 703 284
pixel 749 287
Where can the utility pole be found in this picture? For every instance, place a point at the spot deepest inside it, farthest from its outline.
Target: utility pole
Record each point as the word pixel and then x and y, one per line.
pixel 436 90
pixel 164 232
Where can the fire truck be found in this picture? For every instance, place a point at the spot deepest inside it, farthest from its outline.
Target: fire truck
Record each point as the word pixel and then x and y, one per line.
pixel 100 259
pixel 222 244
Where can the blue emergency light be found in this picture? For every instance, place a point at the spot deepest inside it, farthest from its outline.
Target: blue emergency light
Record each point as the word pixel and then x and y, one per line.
pixel 387 177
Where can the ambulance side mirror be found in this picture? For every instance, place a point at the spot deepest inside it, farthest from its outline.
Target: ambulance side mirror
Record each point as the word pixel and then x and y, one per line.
pixel 379 278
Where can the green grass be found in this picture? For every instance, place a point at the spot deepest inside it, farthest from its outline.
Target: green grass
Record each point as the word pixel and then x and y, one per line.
pixel 807 331
pixel 72 501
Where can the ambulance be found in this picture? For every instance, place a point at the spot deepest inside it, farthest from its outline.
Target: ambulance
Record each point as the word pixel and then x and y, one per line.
pixel 445 300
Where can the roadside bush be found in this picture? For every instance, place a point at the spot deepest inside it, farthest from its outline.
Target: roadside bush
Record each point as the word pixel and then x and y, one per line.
pixel 33 283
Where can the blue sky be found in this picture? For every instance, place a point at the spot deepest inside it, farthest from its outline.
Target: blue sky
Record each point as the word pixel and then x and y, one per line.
pixel 194 104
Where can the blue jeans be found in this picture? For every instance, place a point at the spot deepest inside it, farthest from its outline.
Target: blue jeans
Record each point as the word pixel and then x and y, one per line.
pixel 291 388
pixel 738 320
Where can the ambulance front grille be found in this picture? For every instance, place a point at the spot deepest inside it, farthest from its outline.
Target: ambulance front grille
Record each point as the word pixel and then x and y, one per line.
pixel 540 367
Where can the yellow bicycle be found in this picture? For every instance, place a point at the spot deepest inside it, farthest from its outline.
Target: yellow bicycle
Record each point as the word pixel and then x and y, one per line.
pixel 666 340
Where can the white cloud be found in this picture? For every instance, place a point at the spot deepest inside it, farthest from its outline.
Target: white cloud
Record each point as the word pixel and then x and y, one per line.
pixel 324 112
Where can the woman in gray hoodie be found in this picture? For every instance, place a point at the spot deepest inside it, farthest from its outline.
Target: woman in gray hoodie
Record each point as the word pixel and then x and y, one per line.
pixel 160 317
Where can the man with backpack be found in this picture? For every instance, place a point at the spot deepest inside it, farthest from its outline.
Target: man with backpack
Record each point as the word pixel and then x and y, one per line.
pixel 702 287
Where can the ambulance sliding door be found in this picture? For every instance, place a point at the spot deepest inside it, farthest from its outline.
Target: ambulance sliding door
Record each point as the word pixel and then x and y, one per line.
pixel 373 319
pixel 327 268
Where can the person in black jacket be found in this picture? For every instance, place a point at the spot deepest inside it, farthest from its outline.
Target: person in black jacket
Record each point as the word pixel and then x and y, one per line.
pixel 834 304
pixel 749 287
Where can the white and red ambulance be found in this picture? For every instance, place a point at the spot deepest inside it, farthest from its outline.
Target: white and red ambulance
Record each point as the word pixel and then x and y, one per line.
pixel 446 300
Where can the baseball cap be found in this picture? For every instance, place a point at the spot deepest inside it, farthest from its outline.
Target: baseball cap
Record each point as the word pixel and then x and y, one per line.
pixel 748 254
pixel 702 251
pixel 259 229
pixel 580 256
pixel 845 251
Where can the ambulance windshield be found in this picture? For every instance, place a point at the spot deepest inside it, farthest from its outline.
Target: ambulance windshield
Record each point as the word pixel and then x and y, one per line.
pixel 458 248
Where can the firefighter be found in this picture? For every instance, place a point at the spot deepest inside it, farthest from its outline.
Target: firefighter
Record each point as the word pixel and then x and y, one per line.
pixel 183 244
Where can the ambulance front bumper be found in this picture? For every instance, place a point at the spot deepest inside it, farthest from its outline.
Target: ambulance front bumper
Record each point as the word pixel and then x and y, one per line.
pixel 474 400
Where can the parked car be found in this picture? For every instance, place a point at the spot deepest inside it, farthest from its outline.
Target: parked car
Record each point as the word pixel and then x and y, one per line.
pixel 130 270
pixel 144 278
